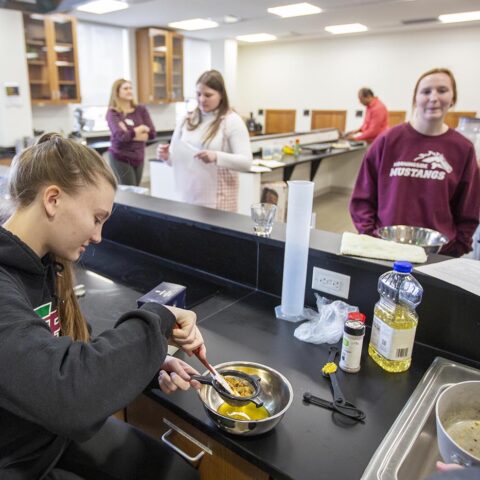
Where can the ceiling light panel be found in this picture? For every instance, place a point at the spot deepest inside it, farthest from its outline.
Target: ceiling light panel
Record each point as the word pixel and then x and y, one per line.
pixel 460 17
pixel 100 7
pixel 347 28
pixel 256 37
pixel 230 19
pixel 194 24
pixel 295 10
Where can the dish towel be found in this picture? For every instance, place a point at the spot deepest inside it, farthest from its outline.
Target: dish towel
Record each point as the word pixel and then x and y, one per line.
pixel 371 247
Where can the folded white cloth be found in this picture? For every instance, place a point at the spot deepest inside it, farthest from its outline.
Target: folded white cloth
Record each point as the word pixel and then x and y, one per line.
pixel 371 247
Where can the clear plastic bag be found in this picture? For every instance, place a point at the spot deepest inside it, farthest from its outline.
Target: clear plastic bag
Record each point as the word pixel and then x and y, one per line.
pixel 327 325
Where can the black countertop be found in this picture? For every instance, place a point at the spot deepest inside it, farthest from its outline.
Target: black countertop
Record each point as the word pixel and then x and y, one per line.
pixel 216 252
pixel 309 442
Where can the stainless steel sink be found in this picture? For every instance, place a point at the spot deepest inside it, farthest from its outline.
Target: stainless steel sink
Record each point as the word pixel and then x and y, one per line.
pixel 409 450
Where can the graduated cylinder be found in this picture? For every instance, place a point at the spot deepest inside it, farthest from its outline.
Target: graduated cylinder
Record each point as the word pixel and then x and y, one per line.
pixel 300 200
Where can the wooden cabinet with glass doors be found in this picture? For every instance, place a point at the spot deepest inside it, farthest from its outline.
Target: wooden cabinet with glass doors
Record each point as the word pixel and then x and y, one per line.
pixel 159 66
pixel 51 48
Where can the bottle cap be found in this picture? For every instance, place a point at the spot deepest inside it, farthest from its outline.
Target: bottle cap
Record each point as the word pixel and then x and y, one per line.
pixel 359 317
pixel 402 267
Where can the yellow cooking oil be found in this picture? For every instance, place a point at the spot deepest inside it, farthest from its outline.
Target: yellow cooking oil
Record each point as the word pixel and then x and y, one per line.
pixel 403 321
pixel 246 412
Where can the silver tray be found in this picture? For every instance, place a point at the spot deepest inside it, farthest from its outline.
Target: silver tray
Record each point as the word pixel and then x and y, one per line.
pixel 409 449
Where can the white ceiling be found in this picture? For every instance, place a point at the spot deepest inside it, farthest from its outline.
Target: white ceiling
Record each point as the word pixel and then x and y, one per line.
pixel 379 15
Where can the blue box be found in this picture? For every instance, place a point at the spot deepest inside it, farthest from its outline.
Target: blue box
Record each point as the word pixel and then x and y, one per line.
pixel 166 294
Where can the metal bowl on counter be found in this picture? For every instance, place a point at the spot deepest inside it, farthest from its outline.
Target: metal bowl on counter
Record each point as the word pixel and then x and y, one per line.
pixel 276 393
pixel 458 423
pixel 430 240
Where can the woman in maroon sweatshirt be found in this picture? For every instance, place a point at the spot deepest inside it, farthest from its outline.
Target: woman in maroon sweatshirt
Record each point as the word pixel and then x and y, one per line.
pixel 422 173
pixel 130 126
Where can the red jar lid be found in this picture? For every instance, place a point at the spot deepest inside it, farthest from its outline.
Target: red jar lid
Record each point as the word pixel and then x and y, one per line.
pixel 360 317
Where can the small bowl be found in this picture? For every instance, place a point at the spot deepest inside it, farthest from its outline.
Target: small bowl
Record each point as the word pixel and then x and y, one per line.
pixel 430 240
pixel 236 400
pixel 276 394
pixel 455 404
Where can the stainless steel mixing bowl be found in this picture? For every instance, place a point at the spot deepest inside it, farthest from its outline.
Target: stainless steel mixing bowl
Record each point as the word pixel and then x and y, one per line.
pixel 459 404
pixel 276 394
pixel 430 240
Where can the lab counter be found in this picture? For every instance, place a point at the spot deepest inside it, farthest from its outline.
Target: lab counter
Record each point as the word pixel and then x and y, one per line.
pixel 234 281
pixel 309 442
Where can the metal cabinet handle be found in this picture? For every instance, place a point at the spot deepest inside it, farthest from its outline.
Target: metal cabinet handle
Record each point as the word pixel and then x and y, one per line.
pixel 193 460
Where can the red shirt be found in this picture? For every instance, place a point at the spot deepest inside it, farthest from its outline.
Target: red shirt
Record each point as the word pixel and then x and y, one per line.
pixel 408 178
pixel 376 121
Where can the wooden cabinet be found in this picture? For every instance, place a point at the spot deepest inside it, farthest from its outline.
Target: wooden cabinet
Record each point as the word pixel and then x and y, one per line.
pixel 279 121
pixel 452 118
pixel 51 48
pixel 396 117
pixel 159 66
pixel 211 458
pixel 329 119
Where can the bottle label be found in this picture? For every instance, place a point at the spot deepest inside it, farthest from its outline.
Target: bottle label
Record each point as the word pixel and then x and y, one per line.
pixel 393 344
pixel 351 352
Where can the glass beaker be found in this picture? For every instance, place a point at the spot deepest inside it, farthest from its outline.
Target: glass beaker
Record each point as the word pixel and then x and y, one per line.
pixel 263 216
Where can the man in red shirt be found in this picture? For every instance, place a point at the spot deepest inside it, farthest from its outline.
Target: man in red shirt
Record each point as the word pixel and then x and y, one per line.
pixel 376 117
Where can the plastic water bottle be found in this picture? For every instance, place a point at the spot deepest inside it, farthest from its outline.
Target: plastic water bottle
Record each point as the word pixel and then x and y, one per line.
pixel 395 319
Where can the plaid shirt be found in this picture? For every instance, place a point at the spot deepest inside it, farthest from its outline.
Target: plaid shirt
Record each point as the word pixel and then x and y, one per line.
pixel 227 189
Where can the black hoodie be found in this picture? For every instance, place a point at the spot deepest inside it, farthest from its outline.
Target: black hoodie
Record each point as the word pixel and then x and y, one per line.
pixel 52 389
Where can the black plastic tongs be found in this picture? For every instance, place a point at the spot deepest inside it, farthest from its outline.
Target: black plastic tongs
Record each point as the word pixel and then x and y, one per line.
pixel 339 403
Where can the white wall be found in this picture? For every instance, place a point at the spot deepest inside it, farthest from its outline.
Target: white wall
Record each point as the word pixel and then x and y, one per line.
pixel 54 118
pixel 15 119
pixel 103 57
pixel 197 56
pixel 327 73
pixel 225 60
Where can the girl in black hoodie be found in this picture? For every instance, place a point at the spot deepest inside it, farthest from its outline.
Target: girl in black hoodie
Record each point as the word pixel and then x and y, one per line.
pixel 58 386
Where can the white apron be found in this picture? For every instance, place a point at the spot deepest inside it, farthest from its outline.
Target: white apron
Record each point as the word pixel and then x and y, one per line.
pixel 196 181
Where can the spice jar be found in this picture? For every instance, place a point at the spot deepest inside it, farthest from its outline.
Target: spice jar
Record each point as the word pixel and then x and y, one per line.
pixel 353 334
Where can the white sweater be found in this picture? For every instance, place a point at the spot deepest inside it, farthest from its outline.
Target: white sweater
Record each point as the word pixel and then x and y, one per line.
pixel 212 185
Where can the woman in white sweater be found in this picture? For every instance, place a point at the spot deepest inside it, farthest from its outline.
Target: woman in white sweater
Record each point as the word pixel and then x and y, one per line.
pixel 208 148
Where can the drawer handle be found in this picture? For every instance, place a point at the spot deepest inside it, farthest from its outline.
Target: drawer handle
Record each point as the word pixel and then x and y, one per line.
pixel 193 460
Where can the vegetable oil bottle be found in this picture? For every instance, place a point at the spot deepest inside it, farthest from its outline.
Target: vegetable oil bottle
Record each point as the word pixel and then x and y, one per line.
pixel 394 318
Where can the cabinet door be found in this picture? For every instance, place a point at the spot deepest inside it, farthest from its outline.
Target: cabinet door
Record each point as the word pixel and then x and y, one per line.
pixel 176 89
pixel 50 42
pixel 41 88
pixel 160 50
pixel 217 462
pixel 64 58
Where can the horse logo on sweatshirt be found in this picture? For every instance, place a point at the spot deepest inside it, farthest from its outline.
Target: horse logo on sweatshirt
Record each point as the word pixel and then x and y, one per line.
pixel 51 317
pixel 431 166
pixel 435 159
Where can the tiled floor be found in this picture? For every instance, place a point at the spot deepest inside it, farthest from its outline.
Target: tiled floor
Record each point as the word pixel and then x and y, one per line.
pixel 332 213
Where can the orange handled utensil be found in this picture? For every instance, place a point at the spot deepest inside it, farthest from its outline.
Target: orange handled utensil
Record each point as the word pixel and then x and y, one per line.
pixel 212 370
pixel 214 373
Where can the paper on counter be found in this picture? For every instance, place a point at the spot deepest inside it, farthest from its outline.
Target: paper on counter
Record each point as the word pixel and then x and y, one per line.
pixel 461 272
pixel 371 247
pixel 259 169
pixel 269 163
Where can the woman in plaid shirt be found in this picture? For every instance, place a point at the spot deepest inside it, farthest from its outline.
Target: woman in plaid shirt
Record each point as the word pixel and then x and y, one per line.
pixel 208 148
